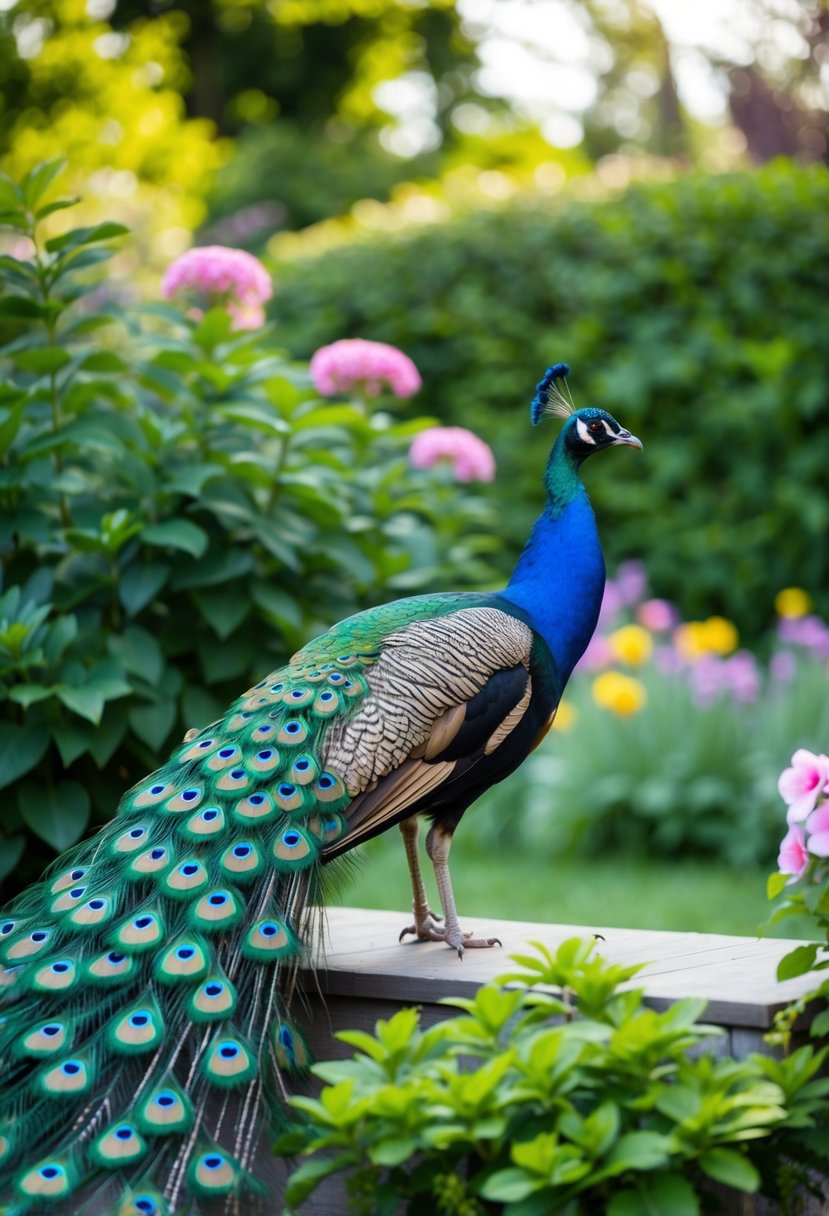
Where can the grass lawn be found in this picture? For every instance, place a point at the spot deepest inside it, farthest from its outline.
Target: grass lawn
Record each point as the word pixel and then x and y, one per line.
pixel 699 895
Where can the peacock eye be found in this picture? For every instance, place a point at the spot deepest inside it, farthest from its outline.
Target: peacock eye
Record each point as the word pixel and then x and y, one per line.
pixel 595 426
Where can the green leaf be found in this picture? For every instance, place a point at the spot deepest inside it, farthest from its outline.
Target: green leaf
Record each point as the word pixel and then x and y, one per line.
pixel 635 1151
pixel 509 1186
pixel 59 815
pixel 103 361
pixel 20 306
pixel 305 1180
pixel 214 568
pixel 224 608
pixel 153 723
pixel 797 961
pixel 42 359
pixel 731 1168
pixel 775 884
pixel 60 204
pixel 30 694
pixel 87 701
pixel 139 653
pixel 177 534
pixel 11 850
pixel 73 739
pixel 140 583
pixel 38 180
pixel 21 748
pixel 78 237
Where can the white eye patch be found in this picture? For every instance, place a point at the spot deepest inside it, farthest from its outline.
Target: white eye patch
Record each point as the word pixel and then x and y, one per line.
pixel 584 432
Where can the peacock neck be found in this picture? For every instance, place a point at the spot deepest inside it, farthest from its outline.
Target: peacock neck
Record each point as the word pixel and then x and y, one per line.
pixel 560 576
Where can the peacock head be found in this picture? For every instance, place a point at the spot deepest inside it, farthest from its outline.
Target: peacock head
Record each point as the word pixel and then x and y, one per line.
pixel 585 431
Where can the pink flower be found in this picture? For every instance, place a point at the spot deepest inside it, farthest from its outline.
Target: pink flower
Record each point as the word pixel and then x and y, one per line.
pixel 470 457
pixel 818 827
pixel 657 615
pixel 801 785
pixel 369 367
pixel 793 857
pixel 597 656
pixel 231 278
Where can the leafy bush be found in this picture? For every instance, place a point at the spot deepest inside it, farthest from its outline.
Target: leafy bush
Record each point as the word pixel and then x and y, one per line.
pixel 691 308
pixel 618 1109
pixel 180 511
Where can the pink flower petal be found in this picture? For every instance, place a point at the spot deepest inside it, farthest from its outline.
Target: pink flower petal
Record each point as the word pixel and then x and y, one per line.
pixel 793 857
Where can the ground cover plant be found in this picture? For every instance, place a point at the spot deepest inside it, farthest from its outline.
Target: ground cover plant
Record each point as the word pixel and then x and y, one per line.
pixel 580 1100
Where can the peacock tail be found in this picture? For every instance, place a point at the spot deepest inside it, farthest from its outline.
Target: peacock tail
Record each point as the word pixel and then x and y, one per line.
pixel 144 1041
pixel 146 1046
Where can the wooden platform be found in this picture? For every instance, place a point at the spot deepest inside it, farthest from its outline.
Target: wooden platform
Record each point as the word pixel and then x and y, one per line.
pixel 364 973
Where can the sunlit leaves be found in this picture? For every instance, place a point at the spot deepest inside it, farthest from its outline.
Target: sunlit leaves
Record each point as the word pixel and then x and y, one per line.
pixel 598 1103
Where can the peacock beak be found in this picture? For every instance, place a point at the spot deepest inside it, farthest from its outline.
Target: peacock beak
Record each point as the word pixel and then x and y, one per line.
pixel 625 439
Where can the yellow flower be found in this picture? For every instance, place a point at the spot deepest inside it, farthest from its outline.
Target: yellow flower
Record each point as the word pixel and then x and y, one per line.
pixel 713 636
pixel 632 645
pixel 565 716
pixel 792 602
pixel 621 694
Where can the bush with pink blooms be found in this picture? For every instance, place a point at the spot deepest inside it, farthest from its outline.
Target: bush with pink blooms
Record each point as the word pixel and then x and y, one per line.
pixel 184 510
pixel 683 733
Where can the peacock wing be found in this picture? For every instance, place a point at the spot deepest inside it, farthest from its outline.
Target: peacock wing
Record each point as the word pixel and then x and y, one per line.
pixel 441 693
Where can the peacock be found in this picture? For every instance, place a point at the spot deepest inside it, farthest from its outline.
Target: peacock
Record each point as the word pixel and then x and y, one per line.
pixel 146 1047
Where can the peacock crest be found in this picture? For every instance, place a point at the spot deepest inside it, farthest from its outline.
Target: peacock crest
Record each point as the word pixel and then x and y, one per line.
pixel 549 399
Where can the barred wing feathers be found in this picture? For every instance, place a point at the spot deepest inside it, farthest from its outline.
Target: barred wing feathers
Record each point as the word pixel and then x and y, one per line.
pixel 441 693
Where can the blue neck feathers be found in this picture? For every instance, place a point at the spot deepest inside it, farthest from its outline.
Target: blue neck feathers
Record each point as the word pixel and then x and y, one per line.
pixel 560 576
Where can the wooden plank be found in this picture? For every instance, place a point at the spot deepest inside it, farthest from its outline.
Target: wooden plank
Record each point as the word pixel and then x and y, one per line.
pixel 736 975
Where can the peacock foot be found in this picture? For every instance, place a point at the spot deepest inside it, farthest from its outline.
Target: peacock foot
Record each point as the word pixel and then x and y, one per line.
pixel 427 928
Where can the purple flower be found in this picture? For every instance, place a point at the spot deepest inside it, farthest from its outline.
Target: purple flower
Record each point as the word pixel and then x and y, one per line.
pixel 230 278
pixel 810 632
pixel 743 677
pixel 793 857
pixel 368 367
pixel 632 582
pixel 801 785
pixel 470 457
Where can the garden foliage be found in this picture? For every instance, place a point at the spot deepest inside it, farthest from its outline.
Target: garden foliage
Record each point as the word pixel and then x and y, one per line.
pixel 180 511
pixel 617 1109
pixel 691 309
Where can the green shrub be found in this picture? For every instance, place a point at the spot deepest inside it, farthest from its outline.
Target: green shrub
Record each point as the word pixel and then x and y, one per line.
pixel 179 512
pixel 619 1109
pixel 692 309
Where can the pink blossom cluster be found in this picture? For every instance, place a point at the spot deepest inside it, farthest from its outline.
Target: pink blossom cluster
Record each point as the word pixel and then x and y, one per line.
pixel 230 278
pixel 803 787
pixel 357 364
pixel 471 459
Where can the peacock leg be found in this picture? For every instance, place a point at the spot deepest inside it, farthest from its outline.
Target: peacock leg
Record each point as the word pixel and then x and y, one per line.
pixel 425 920
pixel 438 844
